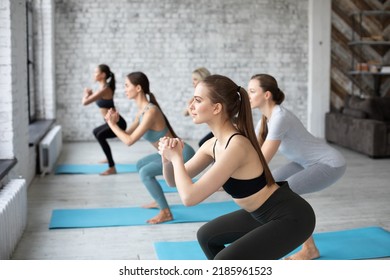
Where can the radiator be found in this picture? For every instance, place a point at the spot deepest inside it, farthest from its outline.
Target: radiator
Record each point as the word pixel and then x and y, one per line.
pixel 13 215
pixel 49 149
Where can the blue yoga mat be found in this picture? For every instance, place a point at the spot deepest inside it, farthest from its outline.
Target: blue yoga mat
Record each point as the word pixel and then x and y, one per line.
pixel 179 250
pixel 111 217
pixel 352 244
pixel 99 168
pixel 92 168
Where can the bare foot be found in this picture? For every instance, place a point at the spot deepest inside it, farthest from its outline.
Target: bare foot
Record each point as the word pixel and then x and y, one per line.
pixel 109 171
pixel 150 205
pixel 103 161
pixel 309 251
pixel 165 215
pixel 304 255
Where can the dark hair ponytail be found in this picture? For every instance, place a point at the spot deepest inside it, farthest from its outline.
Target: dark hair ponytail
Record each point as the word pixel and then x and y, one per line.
pixel 110 77
pixel 139 78
pixel 236 103
pixel 268 83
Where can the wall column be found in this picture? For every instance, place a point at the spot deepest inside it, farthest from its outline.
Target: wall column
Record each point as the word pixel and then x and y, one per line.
pixel 319 65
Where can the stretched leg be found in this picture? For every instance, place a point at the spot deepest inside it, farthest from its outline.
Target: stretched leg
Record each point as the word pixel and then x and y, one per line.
pixel 309 251
pixel 188 152
pixel 280 228
pixel 311 179
pixel 148 168
pixel 102 133
pixel 285 171
pixel 216 234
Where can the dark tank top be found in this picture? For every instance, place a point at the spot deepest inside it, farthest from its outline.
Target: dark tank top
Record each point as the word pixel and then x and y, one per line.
pixel 240 188
pixel 105 103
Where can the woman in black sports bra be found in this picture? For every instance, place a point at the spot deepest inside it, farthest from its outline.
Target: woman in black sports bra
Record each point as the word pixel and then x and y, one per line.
pixel 273 220
pixel 104 98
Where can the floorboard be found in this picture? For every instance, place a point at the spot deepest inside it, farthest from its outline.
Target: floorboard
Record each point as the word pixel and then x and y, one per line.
pixel 361 198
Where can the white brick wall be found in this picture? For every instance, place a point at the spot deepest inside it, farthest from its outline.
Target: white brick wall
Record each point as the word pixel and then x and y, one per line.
pixel 6 134
pixel 167 39
pixel 13 72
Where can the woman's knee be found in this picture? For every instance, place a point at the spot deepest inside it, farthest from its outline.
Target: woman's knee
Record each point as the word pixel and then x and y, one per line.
pixel 139 165
pixel 224 255
pixel 143 173
pixel 99 134
pixel 95 132
pixel 203 233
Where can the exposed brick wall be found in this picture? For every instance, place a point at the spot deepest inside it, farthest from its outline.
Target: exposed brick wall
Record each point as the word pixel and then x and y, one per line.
pixel 6 150
pixel 13 81
pixel 167 40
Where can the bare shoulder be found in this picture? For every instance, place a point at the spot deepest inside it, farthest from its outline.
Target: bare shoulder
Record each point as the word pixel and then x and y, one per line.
pixel 106 93
pixel 240 141
pixel 241 148
pixel 151 111
pixel 153 118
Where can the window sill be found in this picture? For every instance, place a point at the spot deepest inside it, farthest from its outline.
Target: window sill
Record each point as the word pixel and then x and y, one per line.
pixel 5 166
pixel 37 130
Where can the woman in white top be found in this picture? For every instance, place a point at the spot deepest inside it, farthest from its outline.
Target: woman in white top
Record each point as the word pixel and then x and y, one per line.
pixel 313 165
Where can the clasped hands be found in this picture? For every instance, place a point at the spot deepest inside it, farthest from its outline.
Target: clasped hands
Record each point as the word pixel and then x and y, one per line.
pixel 112 116
pixel 87 92
pixel 169 148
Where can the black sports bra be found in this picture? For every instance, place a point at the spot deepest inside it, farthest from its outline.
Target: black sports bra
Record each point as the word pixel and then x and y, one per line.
pixel 240 188
pixel 105 103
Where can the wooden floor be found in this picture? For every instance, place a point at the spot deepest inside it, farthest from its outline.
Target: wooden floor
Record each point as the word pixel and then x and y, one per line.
pixel 361 198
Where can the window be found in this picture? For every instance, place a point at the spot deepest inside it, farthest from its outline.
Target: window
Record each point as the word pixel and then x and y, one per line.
pixel 30 62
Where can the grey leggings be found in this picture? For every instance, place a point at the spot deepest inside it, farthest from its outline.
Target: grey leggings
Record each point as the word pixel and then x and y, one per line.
pixel 151 166
pixel 310 179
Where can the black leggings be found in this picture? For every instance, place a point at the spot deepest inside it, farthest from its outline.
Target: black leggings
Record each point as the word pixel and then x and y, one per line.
pixel 284 222
pixel 102 133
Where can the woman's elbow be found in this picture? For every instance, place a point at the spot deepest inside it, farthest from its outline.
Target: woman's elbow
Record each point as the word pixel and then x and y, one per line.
pixel 86 101
pixel 188 201
pixel 129 142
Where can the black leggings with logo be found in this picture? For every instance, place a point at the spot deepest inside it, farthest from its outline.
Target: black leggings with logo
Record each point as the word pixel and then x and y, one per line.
pixel 104 132
pixel 284 222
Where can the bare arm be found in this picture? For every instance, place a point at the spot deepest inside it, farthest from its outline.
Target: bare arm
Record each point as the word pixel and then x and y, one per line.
pixel 194 166
pixel 192 193
pixel 137 130
pixel 269 149
pixel 90 97
pixel 168 173
pixel 133 126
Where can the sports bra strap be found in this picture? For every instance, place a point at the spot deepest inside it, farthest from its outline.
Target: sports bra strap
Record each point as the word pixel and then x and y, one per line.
pixel 230 138
pixel 147 107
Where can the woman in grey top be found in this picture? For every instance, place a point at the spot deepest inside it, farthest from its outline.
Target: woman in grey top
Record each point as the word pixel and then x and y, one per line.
pixel 313 166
